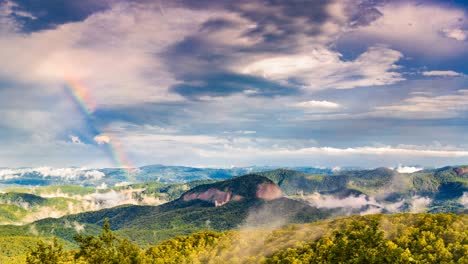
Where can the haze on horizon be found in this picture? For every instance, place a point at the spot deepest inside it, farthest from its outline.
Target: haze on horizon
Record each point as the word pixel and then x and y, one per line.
pixel 114 83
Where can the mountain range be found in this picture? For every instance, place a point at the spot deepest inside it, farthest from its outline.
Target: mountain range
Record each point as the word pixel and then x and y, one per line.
pixel 44 176
pixel 261 199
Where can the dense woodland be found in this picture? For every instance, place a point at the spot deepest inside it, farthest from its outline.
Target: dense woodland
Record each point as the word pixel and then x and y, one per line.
pixel 399 238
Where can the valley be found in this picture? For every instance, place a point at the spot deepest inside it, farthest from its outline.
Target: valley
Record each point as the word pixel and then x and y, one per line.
pixel 149 213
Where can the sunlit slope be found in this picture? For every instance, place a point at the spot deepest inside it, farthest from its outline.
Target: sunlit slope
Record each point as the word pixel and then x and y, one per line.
pixel 398 238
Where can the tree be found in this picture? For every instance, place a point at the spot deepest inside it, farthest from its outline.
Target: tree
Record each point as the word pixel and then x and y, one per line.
pixel 107 248
pixel 46 253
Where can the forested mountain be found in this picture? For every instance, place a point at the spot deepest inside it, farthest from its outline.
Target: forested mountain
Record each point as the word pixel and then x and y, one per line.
pixel 44 176
pixel 397 238
pixel 254 198
pixel 356 191
pixel 383 189
pixel 258 202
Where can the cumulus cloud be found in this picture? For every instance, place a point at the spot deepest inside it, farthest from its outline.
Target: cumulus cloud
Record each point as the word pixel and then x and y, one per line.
pixel 86 51
pixel 276 62
pixel 322 68
pixel 442 73
pixel 404 25
pixel 9 9
pixel 456 33
pixel 102 139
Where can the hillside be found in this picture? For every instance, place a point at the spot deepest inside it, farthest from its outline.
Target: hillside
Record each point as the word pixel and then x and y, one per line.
pixel 378 190
pixel 261 205
pixel 346 192
pixel 253 205
pixel 397 238
pixel 20 205
pixel 46 176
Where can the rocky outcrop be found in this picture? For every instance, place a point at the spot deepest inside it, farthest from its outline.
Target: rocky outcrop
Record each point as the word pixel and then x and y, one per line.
pixel 461 170
pixel 213 195
pixel 236 189
pixel 268 191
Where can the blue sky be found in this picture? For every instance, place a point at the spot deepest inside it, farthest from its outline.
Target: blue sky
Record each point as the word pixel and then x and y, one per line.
pixel 233 83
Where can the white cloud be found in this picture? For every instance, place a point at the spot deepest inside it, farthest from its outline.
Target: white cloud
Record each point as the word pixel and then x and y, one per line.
pixel 419 204
pixel 407 169
pixel 353 202
pixel 66 173
pixel 321 68
pixel 314 105
pixel 102 139
pixel 406 26
pixel 244 132
pixel 330 201
pixel 456 33
pixel 239 150
pixel 78 227
pixel 75 139
pixel 8 9
pixel 119 42
pixel 441 73
pixel 464 199
pixel 427 107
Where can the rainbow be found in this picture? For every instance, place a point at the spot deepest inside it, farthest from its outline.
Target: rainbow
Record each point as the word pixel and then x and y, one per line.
pixel 82 98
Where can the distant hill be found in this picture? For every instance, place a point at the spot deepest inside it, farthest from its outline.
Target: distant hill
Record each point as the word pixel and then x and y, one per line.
pixel 110 176
pixel 261 203
pixel 385 190
pixel 351 191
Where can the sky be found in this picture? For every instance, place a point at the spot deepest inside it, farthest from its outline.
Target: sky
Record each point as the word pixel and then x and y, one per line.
pixel 214 83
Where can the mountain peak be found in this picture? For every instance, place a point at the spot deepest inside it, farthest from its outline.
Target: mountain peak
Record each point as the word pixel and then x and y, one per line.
pixel 249 186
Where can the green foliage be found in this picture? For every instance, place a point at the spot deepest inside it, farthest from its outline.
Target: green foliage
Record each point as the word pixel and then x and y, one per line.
pixel 24 207
pixel 163 191
pixel 245 186
pixel 46 253
pixel 13 249
pixel 107 248
pixel 424 238
pixel 295 182
pixel 184 249
pixel 21 198
pixel 359 243
pixel 400 238
pixel 424 182
pixel 10 213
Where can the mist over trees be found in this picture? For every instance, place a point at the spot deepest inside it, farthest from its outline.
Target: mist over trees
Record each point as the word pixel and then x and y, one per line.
pixel 400 238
